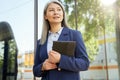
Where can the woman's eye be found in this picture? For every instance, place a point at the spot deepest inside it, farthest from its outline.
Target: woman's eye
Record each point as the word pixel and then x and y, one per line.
pixel 59 9
pixel 55 10
pixel 51 10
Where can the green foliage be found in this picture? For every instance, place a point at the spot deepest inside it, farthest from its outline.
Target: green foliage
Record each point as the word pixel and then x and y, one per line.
pixel 93 21
pixel 92 46
pixel 11 55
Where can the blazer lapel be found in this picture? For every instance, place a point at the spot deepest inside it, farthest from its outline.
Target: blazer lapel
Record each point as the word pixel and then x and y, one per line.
pixel 64 35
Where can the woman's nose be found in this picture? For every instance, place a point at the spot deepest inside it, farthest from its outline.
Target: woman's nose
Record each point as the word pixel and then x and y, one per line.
pixel 55 12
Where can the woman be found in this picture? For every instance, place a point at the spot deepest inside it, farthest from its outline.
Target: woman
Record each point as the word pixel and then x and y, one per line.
pixel 50 64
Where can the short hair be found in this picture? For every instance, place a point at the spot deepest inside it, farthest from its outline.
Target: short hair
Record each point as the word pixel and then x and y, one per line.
pixel 46 26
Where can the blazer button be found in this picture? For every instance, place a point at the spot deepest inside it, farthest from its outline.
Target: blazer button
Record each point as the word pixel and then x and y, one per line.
pixel 59 69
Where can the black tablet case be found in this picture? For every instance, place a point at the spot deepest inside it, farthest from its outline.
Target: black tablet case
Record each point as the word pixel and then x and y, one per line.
pixel 64 47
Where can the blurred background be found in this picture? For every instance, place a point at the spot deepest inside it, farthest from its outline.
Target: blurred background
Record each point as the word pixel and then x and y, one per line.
pixel 97 20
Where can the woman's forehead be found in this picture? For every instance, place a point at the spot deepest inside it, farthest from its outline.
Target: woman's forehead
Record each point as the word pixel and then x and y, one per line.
pixel 54 5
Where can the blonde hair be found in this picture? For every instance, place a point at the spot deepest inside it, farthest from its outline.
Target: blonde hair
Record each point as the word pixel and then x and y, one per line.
pixel 46 26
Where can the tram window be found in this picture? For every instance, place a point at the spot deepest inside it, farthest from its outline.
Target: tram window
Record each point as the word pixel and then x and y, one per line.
pixel 1 57
pixel 11 56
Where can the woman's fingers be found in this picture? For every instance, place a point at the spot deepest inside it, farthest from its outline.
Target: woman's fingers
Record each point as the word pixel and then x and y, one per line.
pixel 54 57
pixel 47 65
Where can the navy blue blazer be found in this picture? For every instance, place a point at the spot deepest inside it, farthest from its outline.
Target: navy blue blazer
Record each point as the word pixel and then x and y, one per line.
pixel 70 66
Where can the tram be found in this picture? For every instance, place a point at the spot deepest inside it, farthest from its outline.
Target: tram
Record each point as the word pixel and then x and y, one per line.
pixel 8 53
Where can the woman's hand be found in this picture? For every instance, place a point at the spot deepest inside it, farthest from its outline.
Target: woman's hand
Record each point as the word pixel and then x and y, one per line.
pixel 54 57
pixel 47 65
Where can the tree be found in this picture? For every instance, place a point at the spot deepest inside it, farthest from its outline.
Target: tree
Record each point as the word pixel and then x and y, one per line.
pixel 91 21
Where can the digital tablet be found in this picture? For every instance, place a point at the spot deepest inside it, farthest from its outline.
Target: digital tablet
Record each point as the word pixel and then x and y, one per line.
pixel 64 47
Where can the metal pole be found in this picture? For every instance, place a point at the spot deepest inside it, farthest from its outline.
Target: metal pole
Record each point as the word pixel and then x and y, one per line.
pixel 106 59
pixel 117 34
pixel 76 15
pixel 35 26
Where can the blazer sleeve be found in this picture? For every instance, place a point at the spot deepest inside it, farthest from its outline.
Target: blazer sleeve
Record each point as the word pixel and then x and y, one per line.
pixel 80 61
pixel 37 63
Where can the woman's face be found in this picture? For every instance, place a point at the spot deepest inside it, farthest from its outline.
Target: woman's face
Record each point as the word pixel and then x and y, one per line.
pixel 54 13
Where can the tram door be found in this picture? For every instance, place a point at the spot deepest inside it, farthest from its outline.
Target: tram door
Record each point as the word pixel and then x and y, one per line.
pixel 8 53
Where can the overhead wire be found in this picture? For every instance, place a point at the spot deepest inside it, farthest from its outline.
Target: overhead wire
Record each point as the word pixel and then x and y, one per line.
pixel 16 7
